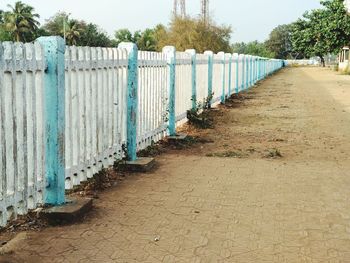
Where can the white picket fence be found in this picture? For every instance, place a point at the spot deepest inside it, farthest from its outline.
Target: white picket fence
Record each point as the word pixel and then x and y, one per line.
pixel 22 131
pixel 152 98
pixel 95 81
pixel 202 78
pixel 96 109
pixel 183 86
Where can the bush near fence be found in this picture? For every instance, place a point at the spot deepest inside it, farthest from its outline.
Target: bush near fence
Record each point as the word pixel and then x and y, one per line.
pixel 68 112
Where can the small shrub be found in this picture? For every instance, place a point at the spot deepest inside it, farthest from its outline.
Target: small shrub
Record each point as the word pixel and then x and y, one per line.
pixel 199 117
pixel 273 153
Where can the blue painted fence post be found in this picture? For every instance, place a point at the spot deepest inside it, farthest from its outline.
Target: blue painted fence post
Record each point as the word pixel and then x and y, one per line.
pixel 262 68
pixel 193 54
pixel 54 112
pixel 223 76
pixel 229 56
pixel 250 71
pixel 243 72
pixel 170 52
pixel 257 69
pixel 132 93
pixel 236 59
pixel 210 55
pixel 254 71
pixel 246 72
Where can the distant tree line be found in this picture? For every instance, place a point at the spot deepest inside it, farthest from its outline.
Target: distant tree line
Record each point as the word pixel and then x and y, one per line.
pixel 318 33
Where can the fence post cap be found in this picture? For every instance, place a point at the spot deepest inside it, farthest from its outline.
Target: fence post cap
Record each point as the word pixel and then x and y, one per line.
pixel 129 46
pixel 170 52
pixel 169 49
pixel 53 40
pixel 209 53
pixel 221 53
pixel 191 51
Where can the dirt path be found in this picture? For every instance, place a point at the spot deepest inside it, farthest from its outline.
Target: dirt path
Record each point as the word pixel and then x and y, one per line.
pixel 200 207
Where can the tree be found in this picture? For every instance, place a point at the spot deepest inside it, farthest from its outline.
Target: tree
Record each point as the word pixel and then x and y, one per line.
pixel 78 32
pixel 1 16
pixel 124 35
pixel 4 35
pixel 21 22
pixel 280 42
pixel 54 25
pixel 72 32
pixel 322 31
pixel 147 40
pixel 160 35
pixel 186 33
pixel 252 48
pixel 91 35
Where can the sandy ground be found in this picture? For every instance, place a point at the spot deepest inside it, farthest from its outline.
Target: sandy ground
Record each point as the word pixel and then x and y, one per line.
pixel 243 208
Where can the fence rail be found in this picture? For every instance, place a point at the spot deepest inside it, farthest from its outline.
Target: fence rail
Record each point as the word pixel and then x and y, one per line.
pixel 68 112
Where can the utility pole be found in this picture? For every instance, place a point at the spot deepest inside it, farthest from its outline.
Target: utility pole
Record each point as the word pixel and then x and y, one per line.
pixel 65 20
pixel 205 10
pixel 183 8
pixel 175 8
pixel 182 4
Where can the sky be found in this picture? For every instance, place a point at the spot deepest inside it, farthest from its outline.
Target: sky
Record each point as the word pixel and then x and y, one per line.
pixel 250 19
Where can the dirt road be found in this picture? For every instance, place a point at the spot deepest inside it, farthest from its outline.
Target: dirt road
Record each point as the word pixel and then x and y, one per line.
pixel 235 199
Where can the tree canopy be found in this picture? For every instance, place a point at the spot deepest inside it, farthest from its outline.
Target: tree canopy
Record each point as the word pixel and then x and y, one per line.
pixel 78 32
pixel 255 48
pixel 279 41
pixel 186 33
pixel 20 22
pixel 322 31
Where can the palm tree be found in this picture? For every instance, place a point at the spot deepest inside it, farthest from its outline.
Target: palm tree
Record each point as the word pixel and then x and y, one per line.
pixel 73 32
pixel 21 21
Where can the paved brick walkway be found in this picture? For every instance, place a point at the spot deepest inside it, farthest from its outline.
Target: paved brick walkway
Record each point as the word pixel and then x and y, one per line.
pixel 195 208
